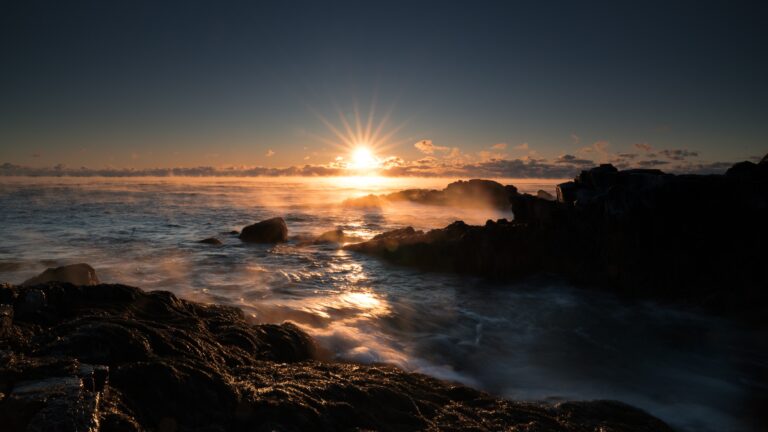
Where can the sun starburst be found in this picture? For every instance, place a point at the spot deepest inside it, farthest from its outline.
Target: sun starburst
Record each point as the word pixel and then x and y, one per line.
pixel 362 144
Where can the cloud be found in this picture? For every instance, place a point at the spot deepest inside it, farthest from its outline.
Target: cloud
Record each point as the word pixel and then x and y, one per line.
pixel 455 153
pixel 678 154
pixel 523 146
pixel 269 153
pixel 627 155
pixel 499 146
pixel 644 147
pixel 428 147
pixel 573 160
pixel 652 163
pixel 599 147
pixel 575 139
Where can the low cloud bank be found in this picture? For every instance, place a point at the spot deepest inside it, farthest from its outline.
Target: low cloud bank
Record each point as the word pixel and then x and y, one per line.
pixel 564 166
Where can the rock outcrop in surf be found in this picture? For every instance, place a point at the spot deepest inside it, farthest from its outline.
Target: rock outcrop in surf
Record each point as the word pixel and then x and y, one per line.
pixel 77 274
pixel 471 194
pixel 695 239
pixel 272 230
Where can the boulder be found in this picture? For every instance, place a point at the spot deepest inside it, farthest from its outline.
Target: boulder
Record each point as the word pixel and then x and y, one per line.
pixel 566 192
pixel 542 194
pixel 211 241
pixel 601 177
pixel 272 230
pixel 76 274
pixel 742 169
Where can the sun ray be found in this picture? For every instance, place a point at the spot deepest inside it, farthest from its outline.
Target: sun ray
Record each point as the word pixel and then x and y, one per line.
pixel 358 125
pixel 347 127
pixel 333 129
pixel 369 125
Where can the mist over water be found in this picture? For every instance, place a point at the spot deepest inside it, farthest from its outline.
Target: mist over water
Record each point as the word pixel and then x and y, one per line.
pixel 534 339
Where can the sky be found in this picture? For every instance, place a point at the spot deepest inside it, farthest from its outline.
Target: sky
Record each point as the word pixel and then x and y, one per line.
pixel 521 89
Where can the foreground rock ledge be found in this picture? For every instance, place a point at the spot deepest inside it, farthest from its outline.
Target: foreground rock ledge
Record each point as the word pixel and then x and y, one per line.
pixel 116 358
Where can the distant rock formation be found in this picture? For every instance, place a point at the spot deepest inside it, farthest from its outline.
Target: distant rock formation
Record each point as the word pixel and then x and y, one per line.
pixel 76 274
pixel 700 240
pixel 114 358
pixel 472 194
pixel 267 231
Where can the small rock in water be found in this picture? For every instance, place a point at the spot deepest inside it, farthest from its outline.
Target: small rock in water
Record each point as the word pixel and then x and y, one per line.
pixel 76 274
pixel 211 241
pixel 335 236
pixel 267 231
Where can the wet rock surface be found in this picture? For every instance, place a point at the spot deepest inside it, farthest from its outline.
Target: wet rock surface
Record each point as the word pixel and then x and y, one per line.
pixel 471 193
pixel 116 358
pixel 76 274
pixel 267 231
pixel 693 239
pixel 213 241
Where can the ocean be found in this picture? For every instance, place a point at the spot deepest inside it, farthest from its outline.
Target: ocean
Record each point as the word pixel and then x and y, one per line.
pixel 532 339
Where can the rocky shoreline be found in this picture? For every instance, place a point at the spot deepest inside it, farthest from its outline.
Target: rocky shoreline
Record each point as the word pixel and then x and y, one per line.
pixel 115 358
pixel 690 239
pixel 76 354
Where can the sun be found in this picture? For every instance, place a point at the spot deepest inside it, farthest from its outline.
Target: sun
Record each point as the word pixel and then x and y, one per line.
pixel 363 159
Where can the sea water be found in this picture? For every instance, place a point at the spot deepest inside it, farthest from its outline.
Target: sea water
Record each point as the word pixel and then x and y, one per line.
pixel 532 339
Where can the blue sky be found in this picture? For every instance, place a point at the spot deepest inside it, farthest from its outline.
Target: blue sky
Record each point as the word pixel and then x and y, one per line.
pixel 144 84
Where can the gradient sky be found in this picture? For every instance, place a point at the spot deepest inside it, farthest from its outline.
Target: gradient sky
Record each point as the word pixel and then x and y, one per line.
pixel 166 84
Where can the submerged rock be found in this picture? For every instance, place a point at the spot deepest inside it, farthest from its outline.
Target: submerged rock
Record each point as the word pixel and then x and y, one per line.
pixel 76 274
pixel 267 231
pixel 116 358
pixel 335 236
pixel 474 193
pixel 211 241
pixel 698 240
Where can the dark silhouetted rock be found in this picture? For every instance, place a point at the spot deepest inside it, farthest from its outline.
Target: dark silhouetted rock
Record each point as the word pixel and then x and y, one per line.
pixel 474 193
pixel 600 177
pixel 566 192
pixel 211 241
pixel 542 194
pixel 76 274
pixel 694 239
pixel 115 358
pixel 267 231
pixel 742 169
